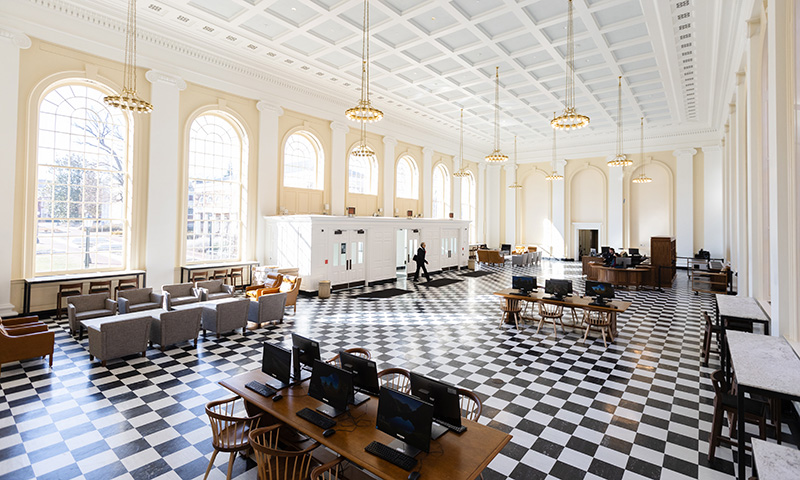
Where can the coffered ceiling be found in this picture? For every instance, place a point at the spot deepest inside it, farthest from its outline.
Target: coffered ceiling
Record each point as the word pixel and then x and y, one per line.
pixel 431 58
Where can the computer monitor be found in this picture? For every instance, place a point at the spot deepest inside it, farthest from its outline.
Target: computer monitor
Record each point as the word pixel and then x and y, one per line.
pixel 600 290
pixel 604 250
pixel 558 288
pixel 365 376
pixel 444 397
pixel 331 385
pixel 592 252
pixel 633 251
pixel 525 285
pixel 623 262
pixel 408 419
pixel 276 362
pixel 305 352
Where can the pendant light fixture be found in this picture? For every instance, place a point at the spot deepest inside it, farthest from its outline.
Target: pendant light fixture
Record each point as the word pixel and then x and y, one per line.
pixel 496 156
pixel 570 119
pixel 620 159
pixel 642 178
pixel 364 111
pixel 554 175
pixel 129 99
pixel 515 185
pixel 461 172
pixel 362 149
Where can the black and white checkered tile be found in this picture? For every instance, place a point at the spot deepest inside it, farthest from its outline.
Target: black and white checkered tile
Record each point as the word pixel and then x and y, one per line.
pixel 640 408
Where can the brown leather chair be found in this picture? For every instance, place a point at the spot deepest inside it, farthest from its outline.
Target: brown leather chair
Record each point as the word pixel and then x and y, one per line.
pixel 25 340
pixel 292 289
pixel 491 256
pixel 271 285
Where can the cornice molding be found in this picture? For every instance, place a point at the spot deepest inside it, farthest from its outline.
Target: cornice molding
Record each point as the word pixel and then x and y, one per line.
pixel 16 37
pixel 157 76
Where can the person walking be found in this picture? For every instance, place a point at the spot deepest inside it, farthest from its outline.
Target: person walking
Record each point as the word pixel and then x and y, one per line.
pixel 420 259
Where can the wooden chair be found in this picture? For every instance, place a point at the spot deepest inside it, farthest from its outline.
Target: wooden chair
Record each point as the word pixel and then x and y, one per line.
pixel 275 463
pixel 510 308
pixel 237 273
pixel 725 404
pixel 219 275
pixel 548 311
pixel 471 405
pixel 358 351
pixel 291 294
pixel 395 378
pixel 125 284
pixel 600 320
pixel 66 290
pixel 710 331
pixel 330 471
pixel 229 433
pixel 102 286
pixel 198 276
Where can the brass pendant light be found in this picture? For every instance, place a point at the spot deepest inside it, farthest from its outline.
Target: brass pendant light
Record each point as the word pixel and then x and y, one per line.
pixel 570 119
pixel 642 178
pixel 554 175
pixel 496 156
pixel 461 172
pixel 620 159
pixel 515 185
pixel 129 99
pixel 364 111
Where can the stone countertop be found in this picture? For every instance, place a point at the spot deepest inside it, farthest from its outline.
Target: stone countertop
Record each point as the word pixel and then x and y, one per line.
pixel 764 362
pixel 734 306
pixel 776 462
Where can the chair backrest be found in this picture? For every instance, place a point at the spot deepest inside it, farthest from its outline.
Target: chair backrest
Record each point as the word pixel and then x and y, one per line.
pixel 275 463
pixel 227 430
pixel 357 351
pixel 136 295
pixel 178 289
pixel 550 310
pixel 395 378
pixel 470 403
pixel 92 301
pixel 273 280
pixel 213 286
pixel 707 321
pixel 721 388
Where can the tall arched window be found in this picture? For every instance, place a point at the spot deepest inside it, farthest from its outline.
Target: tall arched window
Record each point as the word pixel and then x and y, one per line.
pixel 407 178
pixel 468 203
pixel 440 196
pixel 303 162
pixel 217 189
pixel 362 175
pixel 82 182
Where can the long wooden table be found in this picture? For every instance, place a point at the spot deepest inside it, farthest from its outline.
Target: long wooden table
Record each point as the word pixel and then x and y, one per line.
pixel 614 307
pixel 452 456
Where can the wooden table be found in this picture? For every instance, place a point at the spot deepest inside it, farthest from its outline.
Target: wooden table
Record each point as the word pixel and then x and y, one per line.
pixel 743 309
pixel 614 307
pixel 766 366
pixel 452 456
pixel 74 278
pixel 628 277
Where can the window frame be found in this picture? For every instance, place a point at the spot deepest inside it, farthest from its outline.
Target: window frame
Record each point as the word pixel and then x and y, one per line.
pixel 372 174
pixel 319 167
pixel 409 160
pixel 442 170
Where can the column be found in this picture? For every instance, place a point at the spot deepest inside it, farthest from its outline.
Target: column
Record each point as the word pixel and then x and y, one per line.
pixel 480 185
pixel 338 167
pixel 163 215
pixel 426 174
pixel 388 175
pixel 511 205
pixel 733 197
pixel 455 204
pixel 726 194
pixel 741 186
pixel 713 233
pixel 615 225
pixel 559 231
pixel 493 233
pixel 684 202
pixel 269 181
pixel 11 41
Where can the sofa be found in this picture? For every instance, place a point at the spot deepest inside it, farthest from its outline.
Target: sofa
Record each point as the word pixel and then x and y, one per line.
pixel 176 326
pixel 267 309
pixel 119 337
pixel 138 299
pixel 491 256
pixel 226 316
pixel 213 290
pixel 24 339
pixel 84 307
pixel 179 294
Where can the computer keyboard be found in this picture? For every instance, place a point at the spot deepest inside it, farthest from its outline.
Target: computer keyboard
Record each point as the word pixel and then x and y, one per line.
pixel 261 389
pixel 454 428
pixel 316 418
pixel 391 455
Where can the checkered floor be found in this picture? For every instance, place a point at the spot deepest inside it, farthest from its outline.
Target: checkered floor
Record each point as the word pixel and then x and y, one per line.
pixel 640 408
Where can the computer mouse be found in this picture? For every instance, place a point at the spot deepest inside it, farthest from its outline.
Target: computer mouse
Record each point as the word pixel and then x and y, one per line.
pixel 277 397
pixel 327 433
pixel 413 475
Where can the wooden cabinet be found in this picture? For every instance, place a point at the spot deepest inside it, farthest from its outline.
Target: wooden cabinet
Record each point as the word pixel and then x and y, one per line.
pixel 664 255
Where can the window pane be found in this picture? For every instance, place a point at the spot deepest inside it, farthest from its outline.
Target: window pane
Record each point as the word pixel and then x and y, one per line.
pixel 302 163
pixel 407 179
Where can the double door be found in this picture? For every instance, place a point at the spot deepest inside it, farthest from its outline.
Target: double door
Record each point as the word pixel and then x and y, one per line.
pixel 449 252
pixel 348 266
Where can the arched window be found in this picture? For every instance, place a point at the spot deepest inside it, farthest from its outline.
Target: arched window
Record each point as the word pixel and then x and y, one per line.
pixel 362 175
pixel 440 195
pixel 217 189
pixel 82 182
pixel 407 178
pixel 303 162
pixel 468 203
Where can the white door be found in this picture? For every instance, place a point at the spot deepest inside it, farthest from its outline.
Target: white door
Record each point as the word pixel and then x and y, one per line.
pixel 357 270
pixel 348 266
pixel 412 240
pixel 449 248
pixel 339 265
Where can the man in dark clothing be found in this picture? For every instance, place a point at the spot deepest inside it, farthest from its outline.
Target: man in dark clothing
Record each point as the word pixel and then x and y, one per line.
pixel 420 259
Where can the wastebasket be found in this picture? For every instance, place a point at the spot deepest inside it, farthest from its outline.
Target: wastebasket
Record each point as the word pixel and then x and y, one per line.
pixel 324 289
pixel 471 264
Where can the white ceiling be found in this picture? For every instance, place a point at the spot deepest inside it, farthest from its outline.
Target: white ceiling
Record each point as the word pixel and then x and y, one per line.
pixel 430 58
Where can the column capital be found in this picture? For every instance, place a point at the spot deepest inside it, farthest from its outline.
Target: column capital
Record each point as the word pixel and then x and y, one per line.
pixel 711 149
pixel 561 163
pixel 339 127
pixel 19 39
pixel 753 26
pixel 389 141
pixel 691 152
pixel 732 107
pixel 157 76
pixel 727 127
pixel 267 107
pixel 428 151
pixel 740 76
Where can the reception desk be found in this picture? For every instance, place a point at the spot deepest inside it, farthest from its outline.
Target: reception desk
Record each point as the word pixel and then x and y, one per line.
pixel 587 266
pixel 629 277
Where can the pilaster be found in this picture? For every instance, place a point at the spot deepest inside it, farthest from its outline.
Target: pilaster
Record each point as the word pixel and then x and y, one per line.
pixel 480 185
pixel 388 175
pixel 684 202
pixel 511 205
pixel 269 180
pixel 493 186
pixel 558 241
pixel 615 205
pixel 713 233
pixel 338 167
pixel 742 181
pixel 426 174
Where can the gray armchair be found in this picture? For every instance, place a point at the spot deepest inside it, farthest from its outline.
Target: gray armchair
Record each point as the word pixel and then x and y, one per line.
pixel 138 299
pixel 268 308
pixel 119 338
pixel 176 326
pixel 213 290
pixel 84 307
pixel 226 316
pixel 179 294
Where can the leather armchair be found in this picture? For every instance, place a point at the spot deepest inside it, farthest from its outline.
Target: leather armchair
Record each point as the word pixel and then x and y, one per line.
pixel 84 307
pixel 292 291
pixel 25 341
pixel 491 256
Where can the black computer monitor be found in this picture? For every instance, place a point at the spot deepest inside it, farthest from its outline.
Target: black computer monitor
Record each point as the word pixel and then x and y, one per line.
pixel 276 362
pixel 604 250
pixel 633 251
pixel 600 290
pixel 331 385
pixel 365 376
pixel 408 419
pixel 444 397
pixel 305 352
pixel 558 288
pixel 525 285
pixel 623 262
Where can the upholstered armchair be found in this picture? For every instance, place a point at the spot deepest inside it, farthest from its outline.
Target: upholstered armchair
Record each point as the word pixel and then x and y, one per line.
pixel 20 341
pixel 119 338
pixel 491 256
pixel 267 309
pixel 138 299
pixel 176 326
pixel 213 290
pixel 84 307
pixel 292 291
pixel 226 316
pixel 179 294
pixel 271 285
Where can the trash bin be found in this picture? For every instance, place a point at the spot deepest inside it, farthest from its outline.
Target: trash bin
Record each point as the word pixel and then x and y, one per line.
pixel 471 264
pixel 324 289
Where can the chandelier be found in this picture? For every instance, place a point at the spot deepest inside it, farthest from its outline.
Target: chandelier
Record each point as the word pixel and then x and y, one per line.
pixel 554 175
pixel 642 178
pixel 496 156
pixel 620 159
pixel 570 119
pixel 364 111
pixel 515 185
pixel 128 99
pixel 362 149
pixel 461 172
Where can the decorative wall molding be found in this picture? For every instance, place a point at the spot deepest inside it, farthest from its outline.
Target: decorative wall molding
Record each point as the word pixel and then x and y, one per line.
pixel 16 37
pixel 267 107
pixel 157 76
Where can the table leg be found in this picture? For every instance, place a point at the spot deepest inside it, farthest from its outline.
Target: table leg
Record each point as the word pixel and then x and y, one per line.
pixel 740 432
pixel 26 300
pixel 144 280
